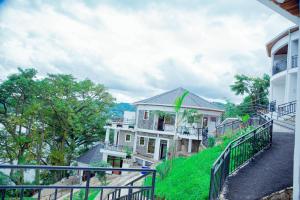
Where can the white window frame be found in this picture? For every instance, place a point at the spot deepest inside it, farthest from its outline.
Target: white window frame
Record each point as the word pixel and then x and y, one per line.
pixel 140 141
pixel 126 138
pixel 146 111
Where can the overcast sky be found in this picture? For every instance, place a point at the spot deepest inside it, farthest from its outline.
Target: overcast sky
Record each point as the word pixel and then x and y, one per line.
pixel 140 48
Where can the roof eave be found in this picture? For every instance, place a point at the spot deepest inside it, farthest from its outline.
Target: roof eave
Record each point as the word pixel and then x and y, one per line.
pixel 194 107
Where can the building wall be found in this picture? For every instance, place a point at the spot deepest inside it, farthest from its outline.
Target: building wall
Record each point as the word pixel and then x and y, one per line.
pixel 122 141
pixel 145 124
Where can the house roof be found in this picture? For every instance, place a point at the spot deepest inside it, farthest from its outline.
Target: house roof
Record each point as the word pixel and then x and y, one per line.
pixel 168 98
pixel 92 155
pixel 270 44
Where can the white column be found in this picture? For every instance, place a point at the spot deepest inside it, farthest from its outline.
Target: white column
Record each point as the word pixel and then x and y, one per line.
pixel 156 150
pixel 115 136
pixel 190 146
pixel 107 136
pixel 296 178
pixel 135 142
pixel 287 88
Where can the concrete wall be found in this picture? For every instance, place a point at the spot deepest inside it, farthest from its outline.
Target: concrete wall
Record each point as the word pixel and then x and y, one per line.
pixel 122 141
pixel 145 124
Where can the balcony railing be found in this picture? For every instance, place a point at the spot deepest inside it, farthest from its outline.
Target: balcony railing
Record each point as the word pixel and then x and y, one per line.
pixel 286 108
pixel 192 131
pixel 120 148
pixel 294 61
pixel 279 66
pixel 53 192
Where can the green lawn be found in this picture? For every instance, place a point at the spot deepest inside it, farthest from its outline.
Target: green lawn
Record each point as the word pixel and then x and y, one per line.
pixel 189 178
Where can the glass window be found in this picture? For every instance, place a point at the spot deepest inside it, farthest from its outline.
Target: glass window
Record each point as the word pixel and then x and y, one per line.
pixel 151 145
pixel 128 138
pixel 142 141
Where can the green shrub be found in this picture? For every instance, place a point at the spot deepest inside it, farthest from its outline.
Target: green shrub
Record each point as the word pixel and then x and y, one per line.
pixel 211 141
pixel 101 175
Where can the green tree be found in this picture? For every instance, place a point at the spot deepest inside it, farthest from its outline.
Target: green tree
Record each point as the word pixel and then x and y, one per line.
pixel 255 89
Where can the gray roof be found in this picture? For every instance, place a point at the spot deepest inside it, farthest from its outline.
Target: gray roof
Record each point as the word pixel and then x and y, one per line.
pixel 92 155
pixel 168 98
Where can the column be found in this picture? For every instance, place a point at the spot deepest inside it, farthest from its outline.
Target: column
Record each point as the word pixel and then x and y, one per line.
pixel 296 180
pixel 156 150
pixel 190 146
pixel 115 136
pixel 287 88
pixel 107 136
pixel 135 143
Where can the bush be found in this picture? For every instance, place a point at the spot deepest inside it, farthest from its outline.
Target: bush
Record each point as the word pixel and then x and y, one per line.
pixel 211 142
pixel 101 175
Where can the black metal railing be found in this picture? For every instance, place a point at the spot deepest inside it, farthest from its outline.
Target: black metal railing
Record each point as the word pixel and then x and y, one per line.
pixel 238 153
pixel 294 61
pixel 192 131
pixel 286 108
pixel 133 194
pixel 56 191
pixel 235 125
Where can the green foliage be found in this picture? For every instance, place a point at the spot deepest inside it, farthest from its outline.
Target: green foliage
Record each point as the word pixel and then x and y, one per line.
pixel 4 179
pixel 179 100
pixel 211 141
pixel 163 169
pixel 81 194
pixel 101 175
pixel 245 118
pixel 51 119
pixel 255 90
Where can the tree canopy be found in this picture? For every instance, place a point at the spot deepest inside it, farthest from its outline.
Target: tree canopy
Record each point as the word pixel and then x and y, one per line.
pixel 50 120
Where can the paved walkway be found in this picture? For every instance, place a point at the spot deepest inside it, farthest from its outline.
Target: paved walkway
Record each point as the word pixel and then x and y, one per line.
pixel 270 171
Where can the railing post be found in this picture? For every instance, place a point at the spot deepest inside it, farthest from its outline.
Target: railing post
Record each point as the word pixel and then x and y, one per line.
pixel 271 133
pixel 130 192
pixel 212 182
pixel 153 185
pixel 87 186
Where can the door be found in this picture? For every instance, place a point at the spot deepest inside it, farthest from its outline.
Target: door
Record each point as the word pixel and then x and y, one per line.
pixel 115 162
pixel 163 149
pixel 160 124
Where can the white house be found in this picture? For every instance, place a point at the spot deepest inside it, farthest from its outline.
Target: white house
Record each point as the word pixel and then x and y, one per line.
pixel 158 128
pixel 288 79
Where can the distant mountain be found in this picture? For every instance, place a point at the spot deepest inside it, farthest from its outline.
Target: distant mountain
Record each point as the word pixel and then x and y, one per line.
pixel 219 105
pixel 118 110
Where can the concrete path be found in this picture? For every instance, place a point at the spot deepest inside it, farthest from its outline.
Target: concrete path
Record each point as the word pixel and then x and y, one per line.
pixel 270 171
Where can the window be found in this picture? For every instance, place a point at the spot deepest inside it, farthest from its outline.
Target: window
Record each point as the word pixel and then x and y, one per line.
pixel 142 141
pixel 151 145
pixel 170 119
pixel 127 138
pixel 146 115
pixel 213 119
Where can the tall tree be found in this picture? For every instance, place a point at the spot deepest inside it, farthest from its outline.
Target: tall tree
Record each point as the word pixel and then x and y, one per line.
pixel 255 89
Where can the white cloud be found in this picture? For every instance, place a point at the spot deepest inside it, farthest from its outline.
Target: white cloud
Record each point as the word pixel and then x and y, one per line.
pixel 142 51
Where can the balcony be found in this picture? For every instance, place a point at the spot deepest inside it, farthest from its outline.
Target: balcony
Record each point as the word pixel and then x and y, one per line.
pixel 279 66
pixel 122 124
pixel 294 61
pixel 191 132
pixel 119 148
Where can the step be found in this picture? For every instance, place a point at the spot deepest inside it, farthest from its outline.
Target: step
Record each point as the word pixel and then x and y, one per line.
pixel 283 126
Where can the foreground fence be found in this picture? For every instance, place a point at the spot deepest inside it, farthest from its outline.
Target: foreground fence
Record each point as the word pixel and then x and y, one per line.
pixel 239 152
pixel 84 191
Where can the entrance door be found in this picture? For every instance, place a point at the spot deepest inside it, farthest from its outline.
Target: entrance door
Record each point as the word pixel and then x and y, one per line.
pixel 163 149
pixel 115 162
pixel 160 124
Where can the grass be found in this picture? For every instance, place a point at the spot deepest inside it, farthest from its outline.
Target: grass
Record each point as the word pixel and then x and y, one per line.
pixel 189 178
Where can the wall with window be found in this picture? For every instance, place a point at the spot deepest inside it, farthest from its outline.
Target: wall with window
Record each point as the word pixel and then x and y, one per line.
pixel 126 138
pixel 145 119
pixel 145 144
